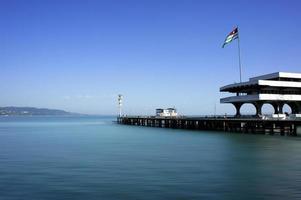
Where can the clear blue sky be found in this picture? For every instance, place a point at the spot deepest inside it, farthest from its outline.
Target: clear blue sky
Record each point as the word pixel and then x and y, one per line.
pixel 78 55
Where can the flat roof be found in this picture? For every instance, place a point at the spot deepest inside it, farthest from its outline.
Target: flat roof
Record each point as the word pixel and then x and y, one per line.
pixel 264 80
pixel 268 83
pixel 277 75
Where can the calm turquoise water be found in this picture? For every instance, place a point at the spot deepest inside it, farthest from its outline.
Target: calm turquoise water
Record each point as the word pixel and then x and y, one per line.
pixel 92 158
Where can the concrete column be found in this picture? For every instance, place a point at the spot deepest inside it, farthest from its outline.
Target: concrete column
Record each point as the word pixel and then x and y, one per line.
pixel 280 107
pixel 258 106
pixel 237 107
pixel 298 107
pixel 293 108
pixel 275 105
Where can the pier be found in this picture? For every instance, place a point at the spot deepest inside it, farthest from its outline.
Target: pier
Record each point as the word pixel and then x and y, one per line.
pixel 287 127
pixel 277 89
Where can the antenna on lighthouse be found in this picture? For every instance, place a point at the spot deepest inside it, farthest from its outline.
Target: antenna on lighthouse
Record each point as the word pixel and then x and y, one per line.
pixel 120 97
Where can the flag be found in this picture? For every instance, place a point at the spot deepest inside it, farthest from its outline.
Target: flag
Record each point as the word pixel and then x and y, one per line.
pixel 232 36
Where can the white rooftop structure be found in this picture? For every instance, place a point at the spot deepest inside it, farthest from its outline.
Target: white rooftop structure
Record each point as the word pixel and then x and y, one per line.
pixel 169 112
pixel 276 89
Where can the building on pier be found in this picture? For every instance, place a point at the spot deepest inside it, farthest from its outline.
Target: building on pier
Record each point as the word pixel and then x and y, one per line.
pixel 169 112
pixel 277 89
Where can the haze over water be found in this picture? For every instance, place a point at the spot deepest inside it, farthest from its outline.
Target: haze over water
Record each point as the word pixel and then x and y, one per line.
pixel 93 158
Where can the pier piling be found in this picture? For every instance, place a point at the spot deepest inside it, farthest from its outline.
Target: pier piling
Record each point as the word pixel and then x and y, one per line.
pixel 239 125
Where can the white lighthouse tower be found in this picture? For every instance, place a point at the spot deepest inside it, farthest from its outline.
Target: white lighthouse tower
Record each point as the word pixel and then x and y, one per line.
pixel 120 98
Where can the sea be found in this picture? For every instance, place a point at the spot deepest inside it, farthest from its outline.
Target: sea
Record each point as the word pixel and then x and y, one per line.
pixel 92 157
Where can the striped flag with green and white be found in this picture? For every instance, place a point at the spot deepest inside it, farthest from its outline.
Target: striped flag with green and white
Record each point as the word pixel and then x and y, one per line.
pixel 232 36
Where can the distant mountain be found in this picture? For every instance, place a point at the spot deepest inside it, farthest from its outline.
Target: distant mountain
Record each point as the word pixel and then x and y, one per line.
pixel 31 111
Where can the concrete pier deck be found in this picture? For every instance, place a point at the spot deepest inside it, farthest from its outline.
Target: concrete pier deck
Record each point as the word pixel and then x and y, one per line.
pixel 251 125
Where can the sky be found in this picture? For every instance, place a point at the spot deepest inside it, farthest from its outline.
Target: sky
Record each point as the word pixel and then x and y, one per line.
pixel 79 55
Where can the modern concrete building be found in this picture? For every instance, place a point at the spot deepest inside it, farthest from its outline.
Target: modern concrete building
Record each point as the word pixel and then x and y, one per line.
pixel 277 89
pixel 169 112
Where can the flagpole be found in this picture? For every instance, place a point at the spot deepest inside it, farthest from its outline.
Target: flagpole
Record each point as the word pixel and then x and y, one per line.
pixel 239 60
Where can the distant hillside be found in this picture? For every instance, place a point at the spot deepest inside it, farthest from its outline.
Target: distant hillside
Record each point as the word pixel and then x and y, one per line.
pixel 31 111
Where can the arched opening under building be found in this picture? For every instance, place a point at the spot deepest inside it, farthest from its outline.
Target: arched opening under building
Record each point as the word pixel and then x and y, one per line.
pixel 287 109
pixel 267 109
pixel 248 109
pixel 229 110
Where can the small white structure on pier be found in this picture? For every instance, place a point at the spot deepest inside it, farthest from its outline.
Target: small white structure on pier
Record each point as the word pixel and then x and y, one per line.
pixel 277 89
pixel 169 112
